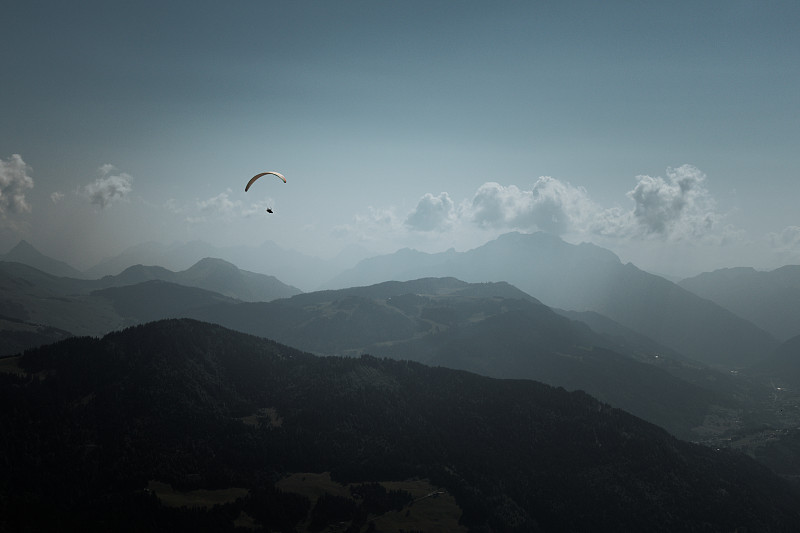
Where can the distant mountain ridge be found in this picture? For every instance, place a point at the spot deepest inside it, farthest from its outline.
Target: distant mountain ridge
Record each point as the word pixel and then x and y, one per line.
pixel 290 266
pixel 25 253
pixel 82 307
pixel 768 299
pixel 211 274
pixel 585 277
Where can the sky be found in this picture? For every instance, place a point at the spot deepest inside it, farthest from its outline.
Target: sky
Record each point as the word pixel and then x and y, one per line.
pixel 667 132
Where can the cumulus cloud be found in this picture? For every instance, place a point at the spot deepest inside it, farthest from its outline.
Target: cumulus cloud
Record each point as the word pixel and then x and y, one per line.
pixel 14 182
pixel 432 213
pixel 217 206
pixel 678 207
pixel 112 186
pixel 786 241
pixel 551 205
pixel 220 206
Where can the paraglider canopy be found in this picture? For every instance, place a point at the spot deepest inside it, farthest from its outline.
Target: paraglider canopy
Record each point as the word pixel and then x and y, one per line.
pixel 254 178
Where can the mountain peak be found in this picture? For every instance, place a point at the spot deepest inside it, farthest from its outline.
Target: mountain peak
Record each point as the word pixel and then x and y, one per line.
pixel 213 264
pixel 25 253
pixel 23 248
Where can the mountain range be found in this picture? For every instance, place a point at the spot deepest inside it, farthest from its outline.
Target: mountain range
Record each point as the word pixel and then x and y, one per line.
pixel 442 321
pixel 493 329
pixel 586 278
pixel 92 307
pixel 724 323
pixel 657 350
pixel 95 428
pixel 290 266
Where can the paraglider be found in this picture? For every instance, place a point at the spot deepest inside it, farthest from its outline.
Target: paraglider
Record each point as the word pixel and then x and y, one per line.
pixel 254 178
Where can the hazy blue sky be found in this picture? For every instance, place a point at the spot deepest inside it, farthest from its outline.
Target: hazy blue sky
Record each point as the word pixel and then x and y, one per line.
pixel 668 132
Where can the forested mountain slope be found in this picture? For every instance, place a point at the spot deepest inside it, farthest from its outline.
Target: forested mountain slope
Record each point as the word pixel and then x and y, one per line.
pixel 198 406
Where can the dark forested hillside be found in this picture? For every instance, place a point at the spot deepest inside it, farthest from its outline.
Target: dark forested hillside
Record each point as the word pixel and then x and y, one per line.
pixel 94 421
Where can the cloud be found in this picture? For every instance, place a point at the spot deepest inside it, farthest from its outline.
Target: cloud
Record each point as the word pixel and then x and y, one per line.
pixel 256 208
pixel 220 204
pixel 110 187
pixel 679 207
pixel 173 206
pixel 551 205
pixel 56 197
pixel 675 209
pixel 787 241
pixel 217 206
pixel 14 181
pixel 432 213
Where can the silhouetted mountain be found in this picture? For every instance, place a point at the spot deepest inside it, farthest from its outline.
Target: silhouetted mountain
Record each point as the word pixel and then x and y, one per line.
pixel 31 295
pixel 175 257
pixel 225 278
pixel 209 274
pixel 586 278
pixel 290 266
pixel 156 299
pixel 179 402
pixel 491 328
pixel 770 300
pixel 138 274
pixel 26 254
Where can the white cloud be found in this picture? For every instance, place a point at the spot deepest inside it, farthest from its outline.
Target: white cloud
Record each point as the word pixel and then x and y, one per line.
pixel 679 207
pixel 432 213
pixel 56 197
pixel 110 187
pixel 257 208
pixel 14 182
pixel 173 206
pixel 787 241
pixel 551 205
pixel 217 206
pixel 220 204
